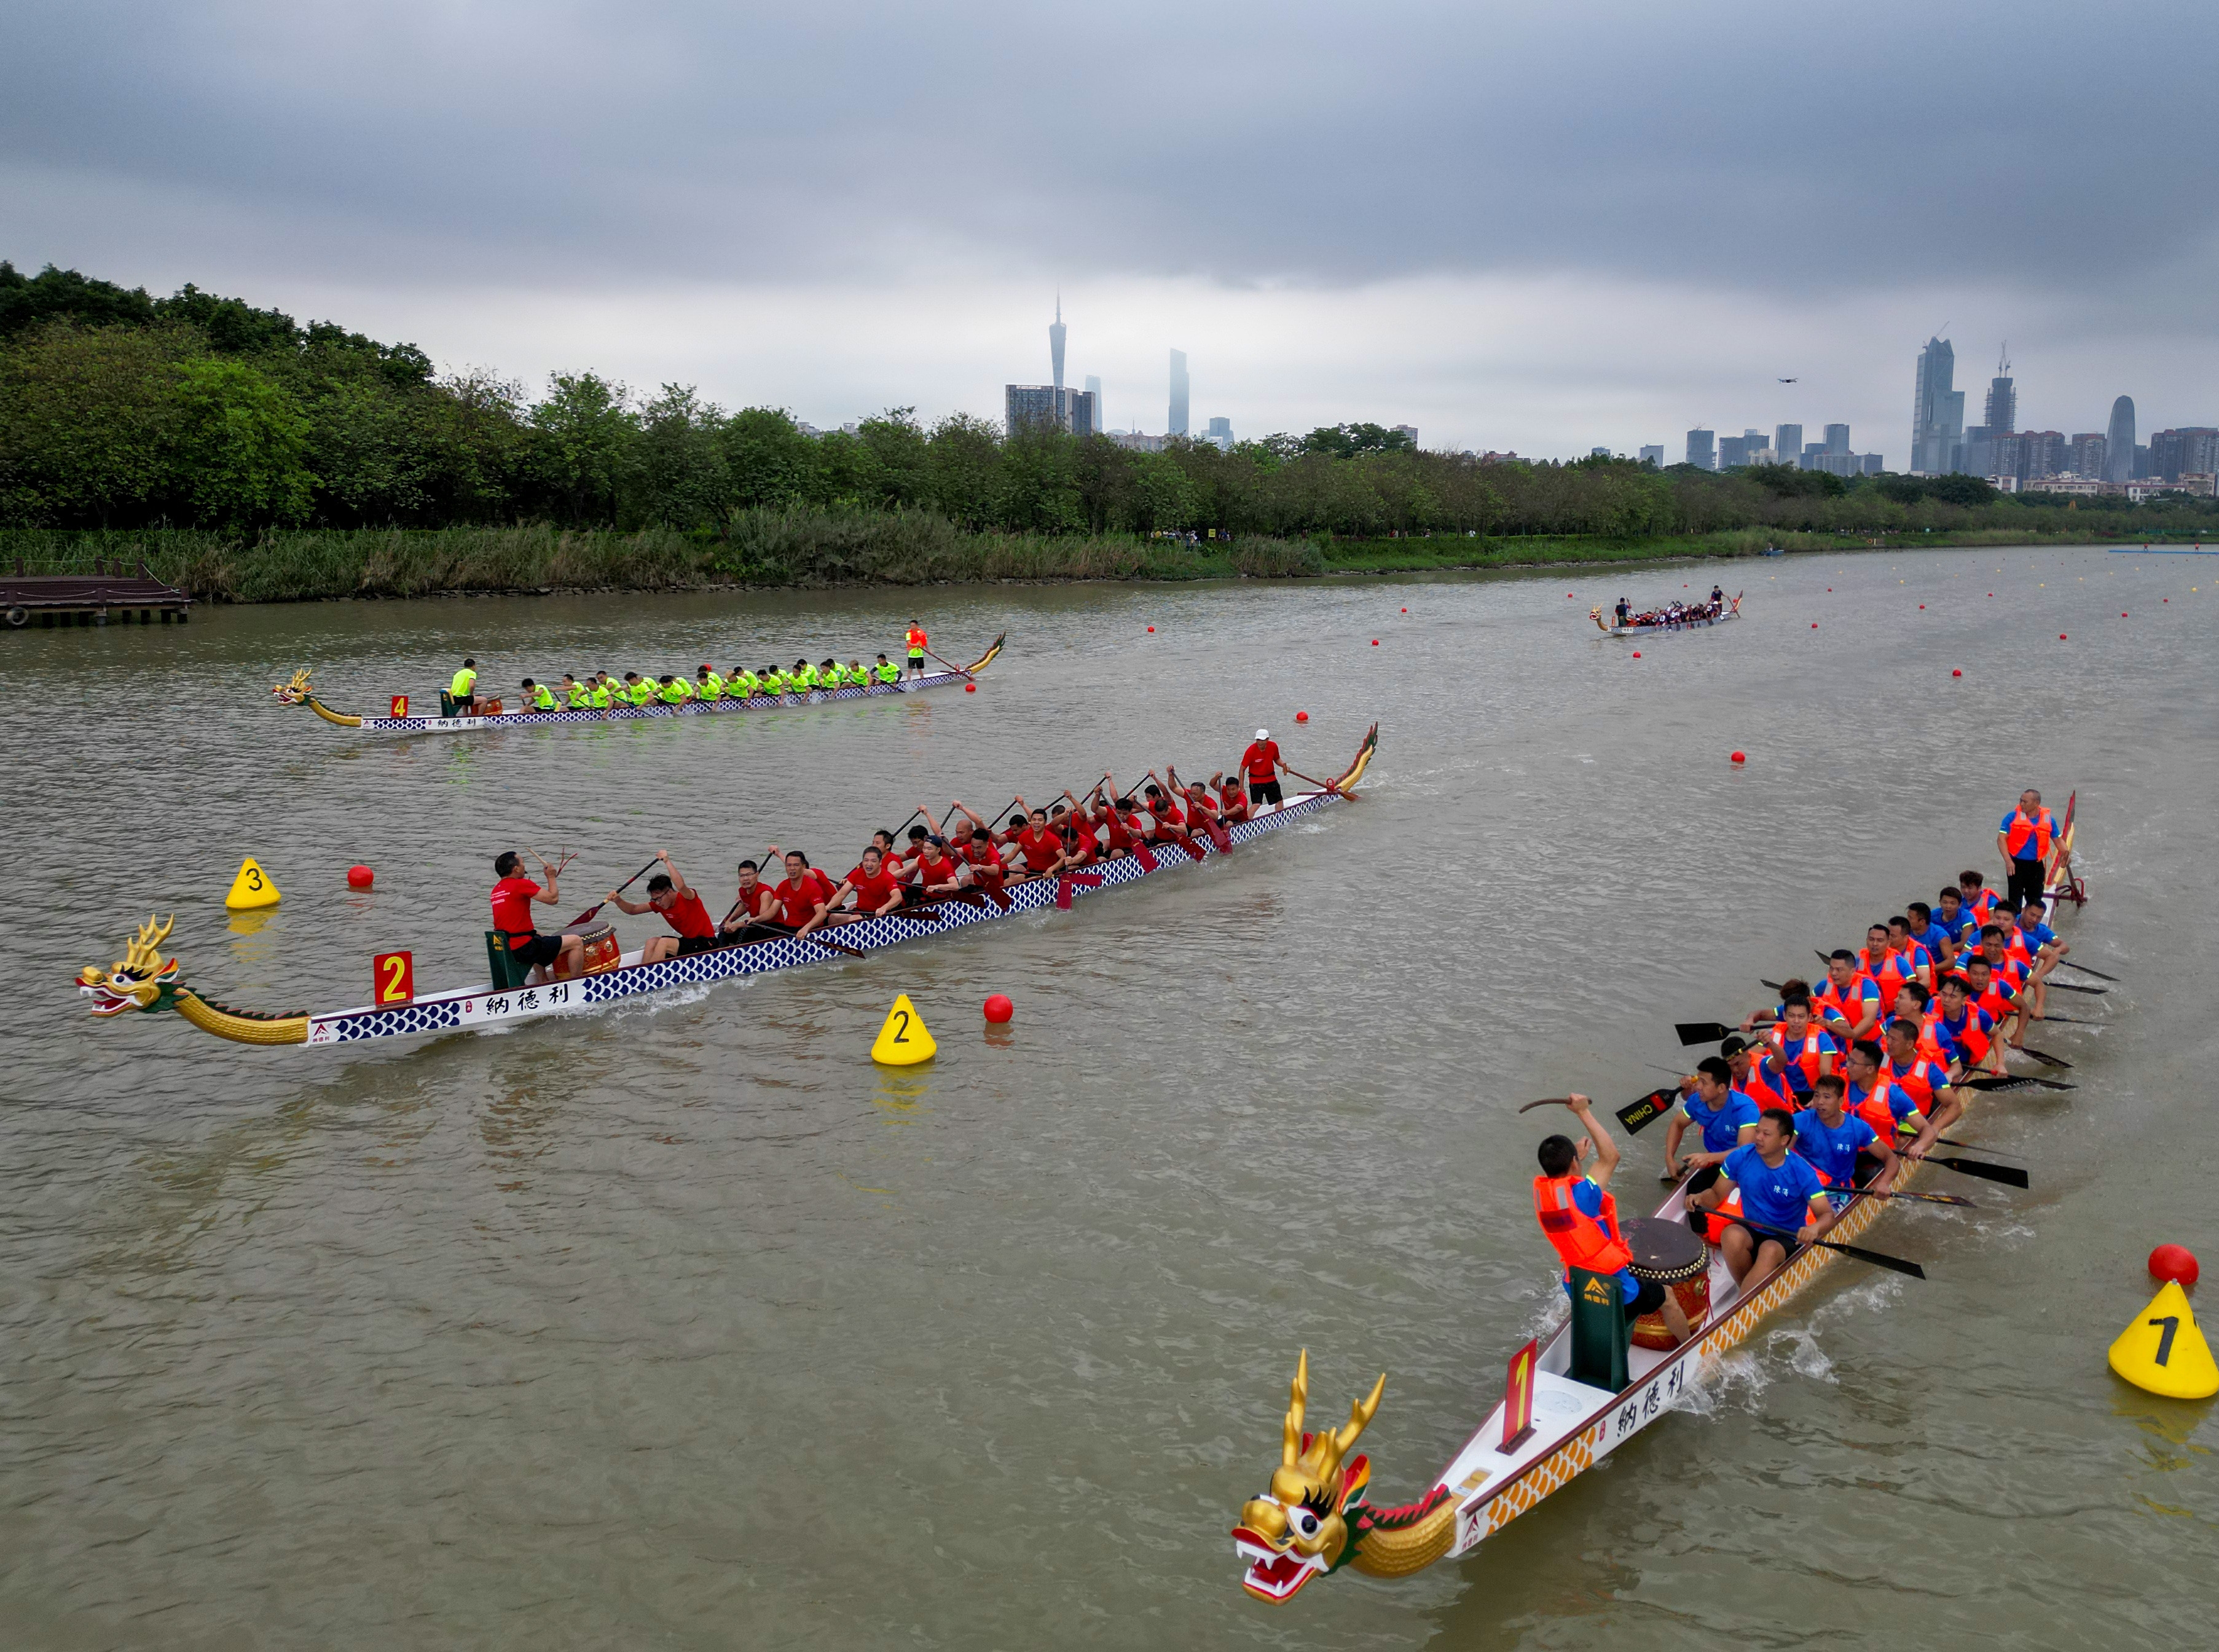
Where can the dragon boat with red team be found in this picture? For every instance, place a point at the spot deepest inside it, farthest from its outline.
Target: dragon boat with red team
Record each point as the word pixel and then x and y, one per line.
pixel 1549 1428
pixel 144 980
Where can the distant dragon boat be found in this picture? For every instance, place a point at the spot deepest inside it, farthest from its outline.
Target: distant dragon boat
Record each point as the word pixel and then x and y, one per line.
pixel 142 979
pixel 299 692
pixel 1315 1518
pixel 1732 612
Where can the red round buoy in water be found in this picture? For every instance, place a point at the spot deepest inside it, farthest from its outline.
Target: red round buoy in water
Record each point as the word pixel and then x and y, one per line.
pixel 1151 631
pixel 2177 1263
pixel 999 1009
pixel 2060 636
pixel 970 688
pixel 1375 642
pixel 1957 674
pixel 1814 624
pixel 2123 614
pixel 1741 757
pixel 360 877
pixel 1406 611
pixel 1637 654
pixel 1922 607
pixel 1302 716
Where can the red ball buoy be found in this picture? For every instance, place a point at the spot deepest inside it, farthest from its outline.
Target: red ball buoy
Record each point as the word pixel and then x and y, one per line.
pixel 1814 624
pixel 1151 631
pixel 970 688
pixel 1637 654
pixel 2174 1261
pixel 2122 615
pixel 1922 607
pixel 360 877
pixel 1302 716
pixel 2060 636
pixel 999 1009
pixel 1741 757
pixel 1375 642
pixel 1406 611
pixel 1957 674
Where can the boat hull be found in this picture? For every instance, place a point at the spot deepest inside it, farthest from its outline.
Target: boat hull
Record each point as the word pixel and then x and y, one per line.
pixel 1684 626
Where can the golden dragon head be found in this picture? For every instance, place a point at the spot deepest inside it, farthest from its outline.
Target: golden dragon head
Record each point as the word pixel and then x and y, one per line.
pixel 1299 1530
pixel 134 981
pixel 294 693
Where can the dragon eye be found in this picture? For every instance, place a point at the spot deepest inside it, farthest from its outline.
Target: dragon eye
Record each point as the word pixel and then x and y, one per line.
pixel 1306 1522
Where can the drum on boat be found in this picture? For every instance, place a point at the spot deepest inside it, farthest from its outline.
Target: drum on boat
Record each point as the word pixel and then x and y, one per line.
pixel 1669 1253
pixel 601 951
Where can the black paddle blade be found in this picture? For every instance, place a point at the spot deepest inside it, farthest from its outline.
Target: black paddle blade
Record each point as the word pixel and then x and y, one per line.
pixel 2067 963
pixel 1892 1263
pixel 1995 1085
pixel 1700 1032
pixel 1637 1116
pixel 2009 1175
pixel 2056 986
pixel 2044 1057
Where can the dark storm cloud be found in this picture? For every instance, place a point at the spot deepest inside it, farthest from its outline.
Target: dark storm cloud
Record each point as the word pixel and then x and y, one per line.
pixel 1756 147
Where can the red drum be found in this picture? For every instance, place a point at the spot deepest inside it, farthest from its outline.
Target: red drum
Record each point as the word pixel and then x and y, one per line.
pixel 1669 1253
pixel 601 952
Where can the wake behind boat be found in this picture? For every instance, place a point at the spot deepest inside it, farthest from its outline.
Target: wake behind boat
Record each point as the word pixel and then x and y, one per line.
pixel 143 980
pixel 707 695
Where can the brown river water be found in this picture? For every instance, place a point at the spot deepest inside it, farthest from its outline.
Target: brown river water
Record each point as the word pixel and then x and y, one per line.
pixel 682 1324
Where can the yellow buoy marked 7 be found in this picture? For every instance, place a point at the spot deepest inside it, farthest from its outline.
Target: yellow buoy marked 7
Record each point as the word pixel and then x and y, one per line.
pixel 903 1041
pixel 251 888
pixel 2164 1351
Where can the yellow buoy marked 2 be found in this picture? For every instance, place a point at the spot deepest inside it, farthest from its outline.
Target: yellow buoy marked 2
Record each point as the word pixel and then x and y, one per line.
pixel 903 1041
pixel 2164 1351
pixel 251 888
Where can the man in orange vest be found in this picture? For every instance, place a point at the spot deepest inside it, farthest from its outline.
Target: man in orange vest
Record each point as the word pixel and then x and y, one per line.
pixel 1579 1215
pixel 917 644
pixel 2026 837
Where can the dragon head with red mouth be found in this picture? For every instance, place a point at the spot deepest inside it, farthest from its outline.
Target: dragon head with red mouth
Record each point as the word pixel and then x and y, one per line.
pixel 140 980
pixel 1314 1520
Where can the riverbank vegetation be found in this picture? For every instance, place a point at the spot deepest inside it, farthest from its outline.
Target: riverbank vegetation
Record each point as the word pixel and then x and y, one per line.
pixel 256 458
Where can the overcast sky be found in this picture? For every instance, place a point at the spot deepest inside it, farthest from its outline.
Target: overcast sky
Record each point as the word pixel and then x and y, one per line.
pixel 1540 228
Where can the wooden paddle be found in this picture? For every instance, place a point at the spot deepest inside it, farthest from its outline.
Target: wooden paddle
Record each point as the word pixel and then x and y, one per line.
pixel 585 915
pixel 1879 1259
pixel 1333 786
pixel 1634 1116
pixel 950 664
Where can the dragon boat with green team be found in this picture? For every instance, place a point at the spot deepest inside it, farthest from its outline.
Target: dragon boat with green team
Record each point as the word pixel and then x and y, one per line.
pixel 300 692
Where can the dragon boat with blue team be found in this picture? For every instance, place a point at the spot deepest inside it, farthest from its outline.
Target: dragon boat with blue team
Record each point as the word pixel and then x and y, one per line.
pixel 300 692
pixel 1557 1420
pixel 144 980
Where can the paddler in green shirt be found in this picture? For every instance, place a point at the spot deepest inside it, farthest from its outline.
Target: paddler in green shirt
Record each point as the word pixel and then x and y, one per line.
pixel 802 678
pixel 857 677
pixel 742 684
pixel 711 687
pixel 638 689
pixel 888 671
pixel 670 691
pixel 575 695
pixel 538 696
pixel 828 675
pixel 463 692
pixel 602 689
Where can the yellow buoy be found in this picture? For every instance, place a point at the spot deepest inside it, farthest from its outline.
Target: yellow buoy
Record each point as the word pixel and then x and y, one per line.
pixel 903 1041
pixel 2164 1351
pixel 251 888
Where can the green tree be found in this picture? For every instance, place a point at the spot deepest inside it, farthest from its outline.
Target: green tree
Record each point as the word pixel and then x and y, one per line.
pixel 586 431
pixel 678 477
pixel 1038 490
pixel 768 460
pixel 27 303
pixel 83 416
pixel 963 470
pixel 896 460
pixel 237 447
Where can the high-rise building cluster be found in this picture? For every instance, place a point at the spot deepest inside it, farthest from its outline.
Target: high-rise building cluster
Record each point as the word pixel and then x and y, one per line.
pixel 1708 450
pixel 2108 461
pixel 1055 405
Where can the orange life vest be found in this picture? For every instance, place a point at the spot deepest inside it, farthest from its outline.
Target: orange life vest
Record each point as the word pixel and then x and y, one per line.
pixel 1918 1081
pixel 1583 1240
pixel 2041 829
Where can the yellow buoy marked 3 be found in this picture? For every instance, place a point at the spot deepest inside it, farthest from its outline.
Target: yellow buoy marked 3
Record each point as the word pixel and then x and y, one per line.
pixel 903 1041
pixel 251 888
pixel 2164 1351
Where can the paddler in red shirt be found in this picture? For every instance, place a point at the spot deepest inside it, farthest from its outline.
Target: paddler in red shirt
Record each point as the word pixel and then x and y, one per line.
pixel 804 895
pixel 1169 820
pixel 1260 763
pixel 877 891
pixel 755 903
pixel 512 899
pixel 1041 849
pixel 971 845
pixel 934 874
pixel 1232 802
pixel 668 893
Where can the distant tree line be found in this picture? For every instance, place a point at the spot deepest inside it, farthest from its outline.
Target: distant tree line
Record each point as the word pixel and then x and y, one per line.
pixel 122 410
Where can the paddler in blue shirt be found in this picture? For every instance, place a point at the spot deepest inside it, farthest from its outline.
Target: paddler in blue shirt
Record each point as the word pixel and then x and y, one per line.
pixel 1834 1139
pixel 1725 1118
pixel 1783 1200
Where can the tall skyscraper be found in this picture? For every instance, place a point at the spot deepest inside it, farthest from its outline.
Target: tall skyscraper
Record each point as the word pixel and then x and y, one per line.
pixel 2119 441
pixel 2001 415
pixel 1055 344
pixel 2084 454
pixel 1787 444
pixel 1653 455
pixel 1101 417
pixel 1178 424
pixel 1733 452
pixel 1702 452
pixel 1049 406
pixel 1837 438
pixel 1937 412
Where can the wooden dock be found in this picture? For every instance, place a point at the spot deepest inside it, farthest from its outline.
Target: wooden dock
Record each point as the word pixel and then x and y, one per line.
pixel 108 593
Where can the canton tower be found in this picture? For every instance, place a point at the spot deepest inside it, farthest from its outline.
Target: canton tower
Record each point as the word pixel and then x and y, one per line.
pixel 1055 341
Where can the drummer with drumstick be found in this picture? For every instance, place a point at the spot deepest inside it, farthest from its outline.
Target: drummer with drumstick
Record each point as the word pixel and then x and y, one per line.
pixel 1579 1215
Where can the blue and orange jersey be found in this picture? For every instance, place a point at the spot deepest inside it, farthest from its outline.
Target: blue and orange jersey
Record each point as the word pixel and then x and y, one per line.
pixel 1803 1065
pixel 1968 1038
pixel 1883 1105
pixel 2029 836
pixel 1918 1079
pixel 2001 999
pixel 1930 1047
pixel 1854 1003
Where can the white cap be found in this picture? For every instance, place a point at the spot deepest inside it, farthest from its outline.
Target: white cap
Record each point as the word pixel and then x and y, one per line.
pixel 1263 734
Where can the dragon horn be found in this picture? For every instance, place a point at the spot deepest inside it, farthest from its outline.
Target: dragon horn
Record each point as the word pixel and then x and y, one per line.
pixel 1361 1412
pixel 1290 1443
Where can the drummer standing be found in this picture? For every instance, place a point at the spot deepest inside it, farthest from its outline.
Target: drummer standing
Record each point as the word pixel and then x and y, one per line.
pixel 1261 764
pixel 1579 1215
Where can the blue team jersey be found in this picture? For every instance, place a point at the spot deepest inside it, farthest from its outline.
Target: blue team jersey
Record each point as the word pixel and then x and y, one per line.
pixel 2035 936
pixel 1779 1199
pixel 1900 1105
pixel 1832 1152
pixel 1721 1128
pixel 2032 844
pixel 1956 928
pixel 1952 1040
pixel 1935 939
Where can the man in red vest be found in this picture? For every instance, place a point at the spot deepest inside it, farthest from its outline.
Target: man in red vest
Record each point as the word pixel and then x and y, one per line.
pixel 1579 1215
